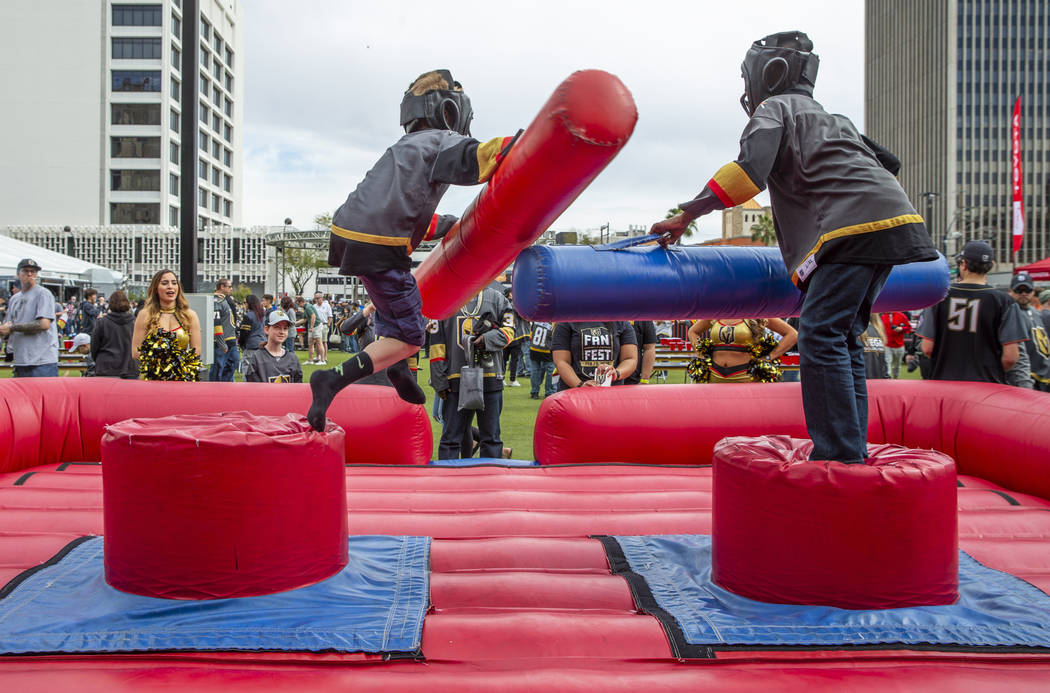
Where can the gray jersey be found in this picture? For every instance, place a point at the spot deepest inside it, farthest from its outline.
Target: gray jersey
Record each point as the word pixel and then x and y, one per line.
pixel 264 367
pixel 29 306
pixel 447 355
pixel 1037 346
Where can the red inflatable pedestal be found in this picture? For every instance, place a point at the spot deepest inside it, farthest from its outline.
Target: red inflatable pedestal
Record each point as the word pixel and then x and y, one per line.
pixel 207 506
pixel 855 536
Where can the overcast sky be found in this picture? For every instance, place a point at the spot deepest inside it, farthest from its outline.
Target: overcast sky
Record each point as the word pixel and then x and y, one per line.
pixel 325 80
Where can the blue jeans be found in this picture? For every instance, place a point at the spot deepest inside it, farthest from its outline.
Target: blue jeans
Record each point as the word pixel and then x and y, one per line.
pixel 44 370
pixel 541 373
pixel 225 364
pixel 835 312
pixel 455 431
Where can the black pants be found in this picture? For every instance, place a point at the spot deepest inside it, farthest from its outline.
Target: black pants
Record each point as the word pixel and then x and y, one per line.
pixel 456 427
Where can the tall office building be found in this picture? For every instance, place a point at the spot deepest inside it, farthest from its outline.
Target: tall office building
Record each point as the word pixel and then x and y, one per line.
pixel 92 118
pixel 941 80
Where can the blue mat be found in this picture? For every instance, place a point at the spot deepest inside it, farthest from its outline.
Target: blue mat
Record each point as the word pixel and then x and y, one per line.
pixel 994 609
pixel 375 605
pixel 482 462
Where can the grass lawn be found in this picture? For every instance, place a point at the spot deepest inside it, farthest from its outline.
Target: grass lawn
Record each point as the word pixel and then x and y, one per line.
pixel 519 411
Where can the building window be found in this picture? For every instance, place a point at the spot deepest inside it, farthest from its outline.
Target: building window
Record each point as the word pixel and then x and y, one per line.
pixel 216 95
pixel 205 30
pixel 204 113
pixel 204 59
pixel 204 170
pixel 227 132
pixel 228 109
pixel 136 80
pixel 217 44
pixel 176 90
pixel 226 156
pixel 176 58
pixel 204 84
pixel 136 48
pixel 228 82
pixel 175 121
pixel 134 179
pixel 135 147
pixel 173 216
pixel 136 15
pixel 204 141
pixel 227 208
pixel 173 184
pixel 216 123
pixel 216 69
pixel 227 182
pixel 134 213
pixel 173 152
pixel 202 197
pixel 215 149
pixel 176 25
pixel 229 57
pixel 215 203
pixel 201 224
pixel 215 176
pixel 135 113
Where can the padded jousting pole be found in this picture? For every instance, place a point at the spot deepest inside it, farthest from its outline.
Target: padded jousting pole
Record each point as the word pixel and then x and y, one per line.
pixel 576 134
pixel 579 283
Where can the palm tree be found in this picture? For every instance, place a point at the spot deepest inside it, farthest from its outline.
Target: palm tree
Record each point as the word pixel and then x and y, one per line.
pixel 762 231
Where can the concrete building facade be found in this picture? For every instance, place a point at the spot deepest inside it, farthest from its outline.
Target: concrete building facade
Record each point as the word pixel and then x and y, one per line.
pixel 92 120
pixel 941 80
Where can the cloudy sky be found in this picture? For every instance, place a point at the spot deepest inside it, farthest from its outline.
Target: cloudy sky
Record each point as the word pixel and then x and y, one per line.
pixel 325 79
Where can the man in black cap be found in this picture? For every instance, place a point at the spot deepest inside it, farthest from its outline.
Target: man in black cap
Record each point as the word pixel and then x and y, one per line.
pixel 1038 345
pixel 973 334
pixel 30 326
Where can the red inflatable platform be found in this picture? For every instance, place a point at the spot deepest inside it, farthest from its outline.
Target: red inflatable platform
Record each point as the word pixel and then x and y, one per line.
pixel 522 598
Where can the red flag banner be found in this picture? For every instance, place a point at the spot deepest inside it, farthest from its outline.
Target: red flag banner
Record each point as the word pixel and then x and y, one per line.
pixel 1018 199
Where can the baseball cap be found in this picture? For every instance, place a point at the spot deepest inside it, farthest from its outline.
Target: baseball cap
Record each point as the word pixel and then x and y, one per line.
pixel 277 316
pixel 1021 279
pixel 28 262
pixel 80 340
pixel 977 251
pixel 1044 296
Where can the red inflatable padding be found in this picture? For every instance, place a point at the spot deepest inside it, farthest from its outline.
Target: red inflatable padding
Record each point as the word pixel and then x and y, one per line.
pixel 583 125
pixel 46 420
pixel 979 425
pixel 208 506
pixel 854 536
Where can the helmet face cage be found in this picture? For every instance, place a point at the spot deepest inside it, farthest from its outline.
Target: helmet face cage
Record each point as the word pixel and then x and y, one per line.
pixel 443 109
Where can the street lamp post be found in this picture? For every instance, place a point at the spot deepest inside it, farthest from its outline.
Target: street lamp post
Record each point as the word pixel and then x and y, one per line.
pixel 928 197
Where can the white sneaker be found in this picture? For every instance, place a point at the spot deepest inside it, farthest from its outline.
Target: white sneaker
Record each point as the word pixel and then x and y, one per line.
pixel 311 362
pixel 323 363
pixel 514 383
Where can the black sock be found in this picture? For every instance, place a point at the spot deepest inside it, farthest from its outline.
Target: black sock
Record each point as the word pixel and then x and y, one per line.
pixel 326 384
pixel 401 378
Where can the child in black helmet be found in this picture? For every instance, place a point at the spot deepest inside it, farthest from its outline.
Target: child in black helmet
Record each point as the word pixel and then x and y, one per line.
pixel 388 215
pixel 842 221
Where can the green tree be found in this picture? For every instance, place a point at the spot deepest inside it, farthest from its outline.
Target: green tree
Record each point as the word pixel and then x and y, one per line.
pixel 323 220
pixel 241 292
pixel 302 264
pixel 763 232
pixel 689 230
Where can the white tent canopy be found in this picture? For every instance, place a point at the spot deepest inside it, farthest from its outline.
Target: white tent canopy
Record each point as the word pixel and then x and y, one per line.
pixel 54 266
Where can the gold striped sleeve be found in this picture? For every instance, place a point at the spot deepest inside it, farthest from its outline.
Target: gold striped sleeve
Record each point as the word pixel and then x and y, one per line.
pixel 489 156
pixel 437 352
pixel 732 185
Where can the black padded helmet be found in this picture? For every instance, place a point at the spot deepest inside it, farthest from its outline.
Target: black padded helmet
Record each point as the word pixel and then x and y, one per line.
pixel 444 109
pixel 775 64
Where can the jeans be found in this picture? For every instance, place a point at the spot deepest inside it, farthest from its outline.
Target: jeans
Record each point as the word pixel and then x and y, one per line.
pixel 541 373
pixel 225 363
pixel 456 427
pixel 44 370
pixel 894 356
pixel 350 344
pixel 835 312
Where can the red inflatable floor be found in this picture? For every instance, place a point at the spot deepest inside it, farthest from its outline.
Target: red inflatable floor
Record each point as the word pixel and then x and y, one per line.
pixel 521 598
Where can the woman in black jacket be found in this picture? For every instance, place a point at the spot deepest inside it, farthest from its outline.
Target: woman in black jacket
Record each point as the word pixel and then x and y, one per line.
pixel 111 340
pixel 251 327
